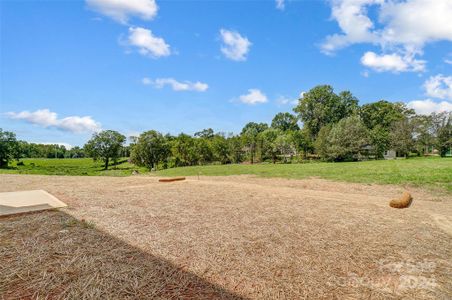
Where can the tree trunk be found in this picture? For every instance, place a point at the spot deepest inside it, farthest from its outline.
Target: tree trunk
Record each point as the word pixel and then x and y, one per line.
pixel 106 163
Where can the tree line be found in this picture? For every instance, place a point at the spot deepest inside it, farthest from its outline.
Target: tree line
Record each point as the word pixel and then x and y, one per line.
pixel 326 125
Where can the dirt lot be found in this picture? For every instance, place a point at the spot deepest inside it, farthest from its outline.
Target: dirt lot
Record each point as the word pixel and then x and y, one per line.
pixel 225 237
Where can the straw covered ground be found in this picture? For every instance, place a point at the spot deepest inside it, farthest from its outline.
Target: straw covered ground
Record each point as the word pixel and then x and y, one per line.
pixel 236 237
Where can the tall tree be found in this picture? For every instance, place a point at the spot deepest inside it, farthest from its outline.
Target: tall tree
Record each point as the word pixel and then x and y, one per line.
pixel 250 135
pixel 380 140
pixel 384 113
pixel 346 139
pixel 423 133
pixel 285 122
pixel 270 148
pixel 9 148
pixel 321 106
pixel 401 137
pixel 203 148
pixel 285 146
pixel 183 149
pixel 221 149
pixel 443 128
pixel 322 143
pixel 151 148
pixel 105 145
pixel 206 133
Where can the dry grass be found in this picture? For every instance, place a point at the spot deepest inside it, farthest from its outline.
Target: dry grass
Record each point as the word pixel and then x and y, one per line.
pixel 235 237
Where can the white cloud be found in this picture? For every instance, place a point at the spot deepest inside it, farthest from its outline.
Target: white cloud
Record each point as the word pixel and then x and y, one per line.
pixel 121 10
pixel 439 86
pixel 177 85
pixel 356 26
pixel 403 27
pixel 148 44
pixel 426 107
pixel 392 62
pixel 46 118
pixel 448 61
pixel 280 4
pixel 235 47
pixel 254 96
pixel 414 23
pixel 281 100
pixel 146 81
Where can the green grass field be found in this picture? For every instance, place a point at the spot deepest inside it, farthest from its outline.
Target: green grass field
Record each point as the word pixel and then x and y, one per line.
pixel 71 166
pixel 423 172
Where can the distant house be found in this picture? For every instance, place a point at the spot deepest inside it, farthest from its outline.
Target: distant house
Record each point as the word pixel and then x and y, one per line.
pixel 367 152
pixel 390 154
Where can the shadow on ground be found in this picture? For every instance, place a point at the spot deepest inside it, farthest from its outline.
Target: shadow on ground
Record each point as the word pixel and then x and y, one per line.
pixel 53 255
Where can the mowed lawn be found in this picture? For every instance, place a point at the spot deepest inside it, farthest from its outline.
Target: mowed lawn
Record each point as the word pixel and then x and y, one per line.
pixel 71 166
pixel 432 172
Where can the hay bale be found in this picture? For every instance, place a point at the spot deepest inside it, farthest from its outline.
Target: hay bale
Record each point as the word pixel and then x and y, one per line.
pixel 171 179
pixel 402 202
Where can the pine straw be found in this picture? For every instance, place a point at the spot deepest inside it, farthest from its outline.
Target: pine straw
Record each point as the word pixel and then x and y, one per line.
pixel 51 254
pixel 224 238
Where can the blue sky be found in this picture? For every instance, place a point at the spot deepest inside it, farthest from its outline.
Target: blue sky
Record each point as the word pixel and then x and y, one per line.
pixel 69 68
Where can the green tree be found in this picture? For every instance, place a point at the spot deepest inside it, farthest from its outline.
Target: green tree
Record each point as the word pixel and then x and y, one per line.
pixel 321 144
pixel 235 144
pixel 321 106
pixel 270 148
pixel 380 140
pixel 443 128
pixel 401 137
pixel 221 149
pixel 151 148
pixel 346 139
pixel 206 133
pixel 285 122
pixel 9 148
pixel 250 135
pixel 423 133
pixel 204 150
pixel 183 149
pixel 105 145
pixel 285 146
pixel 384 113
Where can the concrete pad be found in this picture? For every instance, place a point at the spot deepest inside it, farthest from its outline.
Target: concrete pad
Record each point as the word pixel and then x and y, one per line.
pixel 27 201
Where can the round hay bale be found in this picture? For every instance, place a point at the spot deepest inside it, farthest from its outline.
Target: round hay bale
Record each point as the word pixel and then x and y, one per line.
pixel 171 179
pixel 402 202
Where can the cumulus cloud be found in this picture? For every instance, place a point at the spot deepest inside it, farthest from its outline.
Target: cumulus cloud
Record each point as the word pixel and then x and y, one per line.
pixel 147 43
pixel 176 85
pixel 403 27
pixel 121 10
pixel 47 118
pixel 282 100
pixel 392 62
pixel 254 96
pixel 235 46
pixel 426 107
pixel 280 4
pixel 439 86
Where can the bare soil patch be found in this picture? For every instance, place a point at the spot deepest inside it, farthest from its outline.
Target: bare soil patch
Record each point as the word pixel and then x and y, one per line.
pixel 225 237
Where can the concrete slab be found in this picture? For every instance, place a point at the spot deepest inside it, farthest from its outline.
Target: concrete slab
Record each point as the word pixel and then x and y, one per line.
pixel 27 201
